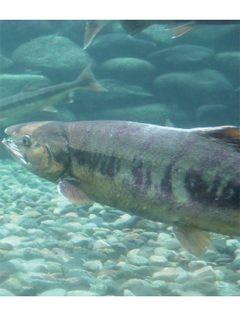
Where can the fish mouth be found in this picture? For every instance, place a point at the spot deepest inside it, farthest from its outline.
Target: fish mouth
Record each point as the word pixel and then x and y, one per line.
pixel 14 151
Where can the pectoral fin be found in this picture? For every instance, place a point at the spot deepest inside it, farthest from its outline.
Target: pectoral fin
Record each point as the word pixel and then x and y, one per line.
pixel 192 239
pixel 70 190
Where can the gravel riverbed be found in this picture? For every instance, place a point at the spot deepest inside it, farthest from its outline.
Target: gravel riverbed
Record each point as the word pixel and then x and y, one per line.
pixel 48 247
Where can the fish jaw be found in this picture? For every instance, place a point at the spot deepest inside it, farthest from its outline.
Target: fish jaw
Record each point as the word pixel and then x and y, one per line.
pixel 14 151
pixel 40 147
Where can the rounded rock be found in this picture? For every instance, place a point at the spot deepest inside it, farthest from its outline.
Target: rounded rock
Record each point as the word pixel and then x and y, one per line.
pixel 157 260
pixel 192 89
pixel 204 272
pixel 93 265
pixel 101 244
pixel 54 292
pixel 128 69
pixel 52 54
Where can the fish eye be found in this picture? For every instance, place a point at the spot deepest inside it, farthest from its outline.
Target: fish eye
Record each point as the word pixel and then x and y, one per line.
pixel 25 140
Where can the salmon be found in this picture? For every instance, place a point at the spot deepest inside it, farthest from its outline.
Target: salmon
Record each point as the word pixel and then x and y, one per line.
pixel 133 27
pixel 41 99
pixel 189 178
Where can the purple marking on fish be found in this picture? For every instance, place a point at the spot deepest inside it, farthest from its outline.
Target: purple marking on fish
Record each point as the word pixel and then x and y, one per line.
pixel 137 174
pixel 166 184
pixel 147 180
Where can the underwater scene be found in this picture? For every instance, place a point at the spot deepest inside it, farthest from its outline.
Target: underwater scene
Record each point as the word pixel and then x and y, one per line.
pixel 119 161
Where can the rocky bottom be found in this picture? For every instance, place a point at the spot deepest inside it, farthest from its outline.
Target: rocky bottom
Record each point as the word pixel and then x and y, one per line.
pixel 48 247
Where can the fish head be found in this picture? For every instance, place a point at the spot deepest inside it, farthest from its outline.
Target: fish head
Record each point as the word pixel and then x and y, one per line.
pixel 40 147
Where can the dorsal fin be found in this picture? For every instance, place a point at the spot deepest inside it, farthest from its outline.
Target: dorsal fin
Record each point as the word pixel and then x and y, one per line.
pixel 229 135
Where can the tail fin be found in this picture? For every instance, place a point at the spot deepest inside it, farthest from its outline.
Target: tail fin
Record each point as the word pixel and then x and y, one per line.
pixel 133 27
pixel 229 135
pixel 180 28
pixel 92 28
pixel 87 81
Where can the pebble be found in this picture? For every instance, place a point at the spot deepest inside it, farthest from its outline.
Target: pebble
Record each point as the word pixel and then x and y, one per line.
pixel 81 293
pixel 79 239
pixel 29 224
pixel 13 240
pixel 204 272
pixel 5 292
pixel 31 264
pixel 12 285
pixel 95 208
pixel 14 229
pixel 195 265
pixel 72 226
pixel 141 290
pixel 93 265
pixel 76 273
pixel 157 260
pixel 49 223
pixel 129 284
pixel 41 286
pixel 204 287
pixel 54 292
pixel 128 293
pixel 137 260
pixel 101 244
pixel 227 289
pixel 147 225
pixel 168 274
pixel 54 267
pixel 160 285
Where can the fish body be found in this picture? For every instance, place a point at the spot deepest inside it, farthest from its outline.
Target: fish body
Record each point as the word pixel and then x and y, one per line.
pixel 133 27
pixel 187 177
pixel 28 101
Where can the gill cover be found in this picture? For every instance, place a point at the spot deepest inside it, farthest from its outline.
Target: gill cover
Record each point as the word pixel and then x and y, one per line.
pixel 43 145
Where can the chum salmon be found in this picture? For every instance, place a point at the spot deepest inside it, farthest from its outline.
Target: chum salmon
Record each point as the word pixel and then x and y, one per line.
pixel 28 101
pixel 133 27
pixel 189 178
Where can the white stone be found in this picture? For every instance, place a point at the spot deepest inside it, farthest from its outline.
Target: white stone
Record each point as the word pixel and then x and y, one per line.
pixel 101 244
pixel 204 272
pixel 157 260
pixel 128 293
pixel 93 265
pixel 13 240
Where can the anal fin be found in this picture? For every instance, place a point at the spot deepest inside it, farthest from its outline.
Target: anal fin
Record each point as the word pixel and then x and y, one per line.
pixel 70 189
pixel 193 240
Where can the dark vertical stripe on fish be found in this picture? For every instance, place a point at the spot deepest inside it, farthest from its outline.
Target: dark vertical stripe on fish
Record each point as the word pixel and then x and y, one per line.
pixel 137 174
pixel 166 183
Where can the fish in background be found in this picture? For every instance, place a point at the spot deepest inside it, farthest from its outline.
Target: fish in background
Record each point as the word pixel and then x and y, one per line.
pixel 44 98
pixel 133 27
pixel 189 178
